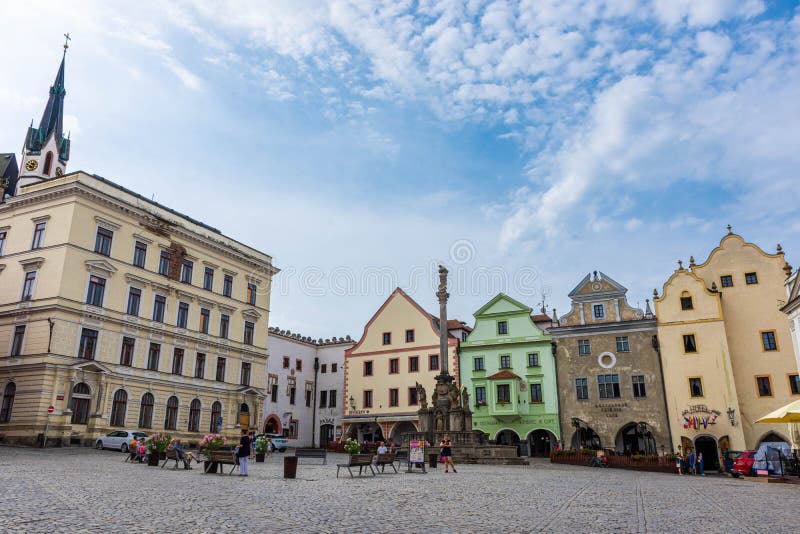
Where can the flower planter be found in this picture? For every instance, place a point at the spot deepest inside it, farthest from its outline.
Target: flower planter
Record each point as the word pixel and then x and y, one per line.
pixel 152 460
pixel 210 467
pixel 259 457
pixel 162 455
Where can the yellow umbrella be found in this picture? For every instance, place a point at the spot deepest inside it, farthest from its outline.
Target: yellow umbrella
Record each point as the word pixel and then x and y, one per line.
pixel 785 414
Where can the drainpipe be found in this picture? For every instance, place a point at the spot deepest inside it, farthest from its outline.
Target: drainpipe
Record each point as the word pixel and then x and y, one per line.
pixel 50 338
pixel 314 406
pixel 553 348
pixel 657 347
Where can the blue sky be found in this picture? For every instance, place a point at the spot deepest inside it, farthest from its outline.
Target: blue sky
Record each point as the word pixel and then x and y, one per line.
pixel 522 143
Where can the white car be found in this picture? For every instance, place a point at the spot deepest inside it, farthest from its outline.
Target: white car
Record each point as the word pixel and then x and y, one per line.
pixel 118 439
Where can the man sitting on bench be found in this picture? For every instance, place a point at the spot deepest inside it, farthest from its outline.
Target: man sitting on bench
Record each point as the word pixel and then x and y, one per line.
pixel 185 457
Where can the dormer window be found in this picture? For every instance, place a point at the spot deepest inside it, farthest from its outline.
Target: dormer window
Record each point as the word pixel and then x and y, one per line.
pixel 599 311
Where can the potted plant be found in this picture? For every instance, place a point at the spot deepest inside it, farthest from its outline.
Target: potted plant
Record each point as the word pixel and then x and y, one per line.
pixel 262 445
pixel 157 447
pixel 208 445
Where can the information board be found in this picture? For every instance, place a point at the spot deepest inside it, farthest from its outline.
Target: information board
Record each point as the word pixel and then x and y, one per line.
pixel 416 452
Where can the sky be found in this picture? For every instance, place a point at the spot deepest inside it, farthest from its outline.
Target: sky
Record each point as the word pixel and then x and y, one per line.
pixel 523 144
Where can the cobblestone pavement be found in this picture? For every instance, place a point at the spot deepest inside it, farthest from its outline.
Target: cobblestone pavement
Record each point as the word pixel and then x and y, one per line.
pixel 83 490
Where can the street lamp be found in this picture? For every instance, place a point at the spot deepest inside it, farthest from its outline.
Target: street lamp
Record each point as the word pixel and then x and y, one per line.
pixel 352 404
pixel 730 413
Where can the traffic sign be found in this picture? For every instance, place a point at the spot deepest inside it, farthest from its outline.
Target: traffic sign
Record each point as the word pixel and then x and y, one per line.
pixel 51 409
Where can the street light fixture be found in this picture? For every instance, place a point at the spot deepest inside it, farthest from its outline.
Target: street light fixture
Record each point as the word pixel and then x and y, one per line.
pixel 731 413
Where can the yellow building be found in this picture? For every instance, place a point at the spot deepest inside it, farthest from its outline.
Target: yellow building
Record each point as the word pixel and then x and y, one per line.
pixel 121 313
pixel 399 348
pixel 726 351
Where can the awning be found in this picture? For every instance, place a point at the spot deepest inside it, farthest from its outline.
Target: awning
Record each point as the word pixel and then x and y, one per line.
pixel 785 414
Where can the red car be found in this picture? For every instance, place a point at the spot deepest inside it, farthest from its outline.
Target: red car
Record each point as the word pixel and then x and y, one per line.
pixel 743 464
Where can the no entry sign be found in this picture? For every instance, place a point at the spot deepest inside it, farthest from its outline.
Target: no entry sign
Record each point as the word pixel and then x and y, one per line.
pixel 51 409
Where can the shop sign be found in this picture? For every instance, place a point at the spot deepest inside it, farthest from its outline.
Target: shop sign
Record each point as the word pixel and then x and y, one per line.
pixel 359 412
pixel 699 416
pixel 611 409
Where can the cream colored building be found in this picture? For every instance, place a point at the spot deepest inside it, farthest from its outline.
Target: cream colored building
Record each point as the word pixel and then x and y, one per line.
pixel 399 347
pixel 726 350
pixel 122 313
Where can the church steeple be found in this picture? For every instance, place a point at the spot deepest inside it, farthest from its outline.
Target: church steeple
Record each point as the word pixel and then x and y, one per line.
pixel 46 151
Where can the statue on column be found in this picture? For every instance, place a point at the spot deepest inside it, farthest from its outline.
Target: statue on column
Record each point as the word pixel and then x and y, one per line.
pixel 465 399
pixel 454 395
pixel 422 397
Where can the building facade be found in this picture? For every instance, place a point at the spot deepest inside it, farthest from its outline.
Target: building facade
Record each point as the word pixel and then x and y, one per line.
pixel 726 348
pixel 305 381
pixel 507 366
pixel 610 383
pixel 398 349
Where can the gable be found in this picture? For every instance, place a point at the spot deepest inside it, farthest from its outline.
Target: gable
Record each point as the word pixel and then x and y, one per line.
pixel 502 304
pixel 597 283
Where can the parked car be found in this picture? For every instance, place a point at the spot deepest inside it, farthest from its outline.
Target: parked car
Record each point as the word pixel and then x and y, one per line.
pixel 743 464
pixel 118 439
pixel 279 442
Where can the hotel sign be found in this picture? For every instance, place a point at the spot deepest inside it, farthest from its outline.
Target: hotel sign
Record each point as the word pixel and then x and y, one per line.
pixel 359 412
pixel 699 416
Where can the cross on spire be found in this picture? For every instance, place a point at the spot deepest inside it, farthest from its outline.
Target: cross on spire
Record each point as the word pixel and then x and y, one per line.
pixel 67 40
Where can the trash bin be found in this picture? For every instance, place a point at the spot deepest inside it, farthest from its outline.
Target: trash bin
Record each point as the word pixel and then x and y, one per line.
pixel 433 459
pixel 289 466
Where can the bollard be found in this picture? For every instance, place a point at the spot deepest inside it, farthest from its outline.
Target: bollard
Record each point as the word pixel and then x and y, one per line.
pixel 289 466
pixel 433 459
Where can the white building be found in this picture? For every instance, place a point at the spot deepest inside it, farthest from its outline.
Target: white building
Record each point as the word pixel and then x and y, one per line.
pixel 304 385
pixel 792 309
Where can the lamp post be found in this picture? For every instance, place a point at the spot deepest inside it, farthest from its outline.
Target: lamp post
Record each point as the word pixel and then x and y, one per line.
pixel 731 412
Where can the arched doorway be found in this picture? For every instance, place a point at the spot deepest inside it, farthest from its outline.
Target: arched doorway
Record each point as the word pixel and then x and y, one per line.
pixel 635 438
pixel 81 397
pixel 368 432
pixel 273 425
pixel 244 416
pixel 541 442
pixel 325 434
pixel 403 427
pixel 585 437
pixel 773 438
pixel 707 445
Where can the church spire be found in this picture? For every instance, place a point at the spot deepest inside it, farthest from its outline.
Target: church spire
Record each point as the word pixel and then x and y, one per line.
pixel 53 116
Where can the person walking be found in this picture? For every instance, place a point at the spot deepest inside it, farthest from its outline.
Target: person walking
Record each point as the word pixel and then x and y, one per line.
pixel 447 453
pixel 691 467
pixel 700 464
pixel 243 453
pixel 679 463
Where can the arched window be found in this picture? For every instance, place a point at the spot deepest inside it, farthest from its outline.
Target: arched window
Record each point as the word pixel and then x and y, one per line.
pixel 119 407
pixel 194 416
pixel 48 163
pixel 216 413
pixel 8 402
pixel 81 397
pixel 146 411
pixel 171 420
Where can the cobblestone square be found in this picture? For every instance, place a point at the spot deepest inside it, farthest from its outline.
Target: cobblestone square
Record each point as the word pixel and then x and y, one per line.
pixel 83 490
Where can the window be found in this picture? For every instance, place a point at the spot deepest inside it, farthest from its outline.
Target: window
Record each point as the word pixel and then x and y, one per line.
pixel 102 241
pixel 413 399
pixel 194 416
pixel 726 280
pixel 2 242
pixel 533 359
pixel 334 367
pixel 200 365
pixel 505 361
pixel 686 303
pixel 146 411
pixel 249 330
pixel 292 392
pixel 88 344
pixel 27 286
pixel 323 399
pixel 409 336
pixel 177 362
pixel 183 314
pixel 689 344
pixel 536 393
pixel 368 368
pixel 81 396
pixel 794 384
pixel 244 379
pixel 251 294
pixel 163 263
pixel 503 393
pixel 216 417
pixel 171 417
pixel 387 338
pixel 480 396
pixel 394 366
pixel 8 402
pixel 368 398
pixel 126 354
pixel 285 362
pixel 220 370
pixel 323 368
pixel 298 365
pixel 97 287
pixel 583 347
pixel 750 278
pixel 477 363
pixel 19 337
pixel 502 328
pixel 224 324
pixel 413 364
pixel 48 163
pixel 639 388
pixel 134 300
pixel 433 362
pixel 159 306
pixel 332 398
pixel 227 285
pixel 696 387
pixel 582 388
pixel 118 408
pixel 152 356
pixel 208 278
pixel 308 398
pixel 768 340
pixel 394 397
pixel 186 271
pixel 139 254
pixel 273 395
pixel 205 317
pixel 38 235
pixel 764 385
pixel 608 386
pixel 599 311
pixel 622 344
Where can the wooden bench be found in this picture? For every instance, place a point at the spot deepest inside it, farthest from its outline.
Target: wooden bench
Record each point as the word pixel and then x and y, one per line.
pixel 220 458
pixel 172 455
pixel 362 461
pixel 312 453
pixel 382 460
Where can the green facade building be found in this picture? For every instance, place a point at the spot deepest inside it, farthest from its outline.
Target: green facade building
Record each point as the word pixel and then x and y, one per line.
pixel 507 365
